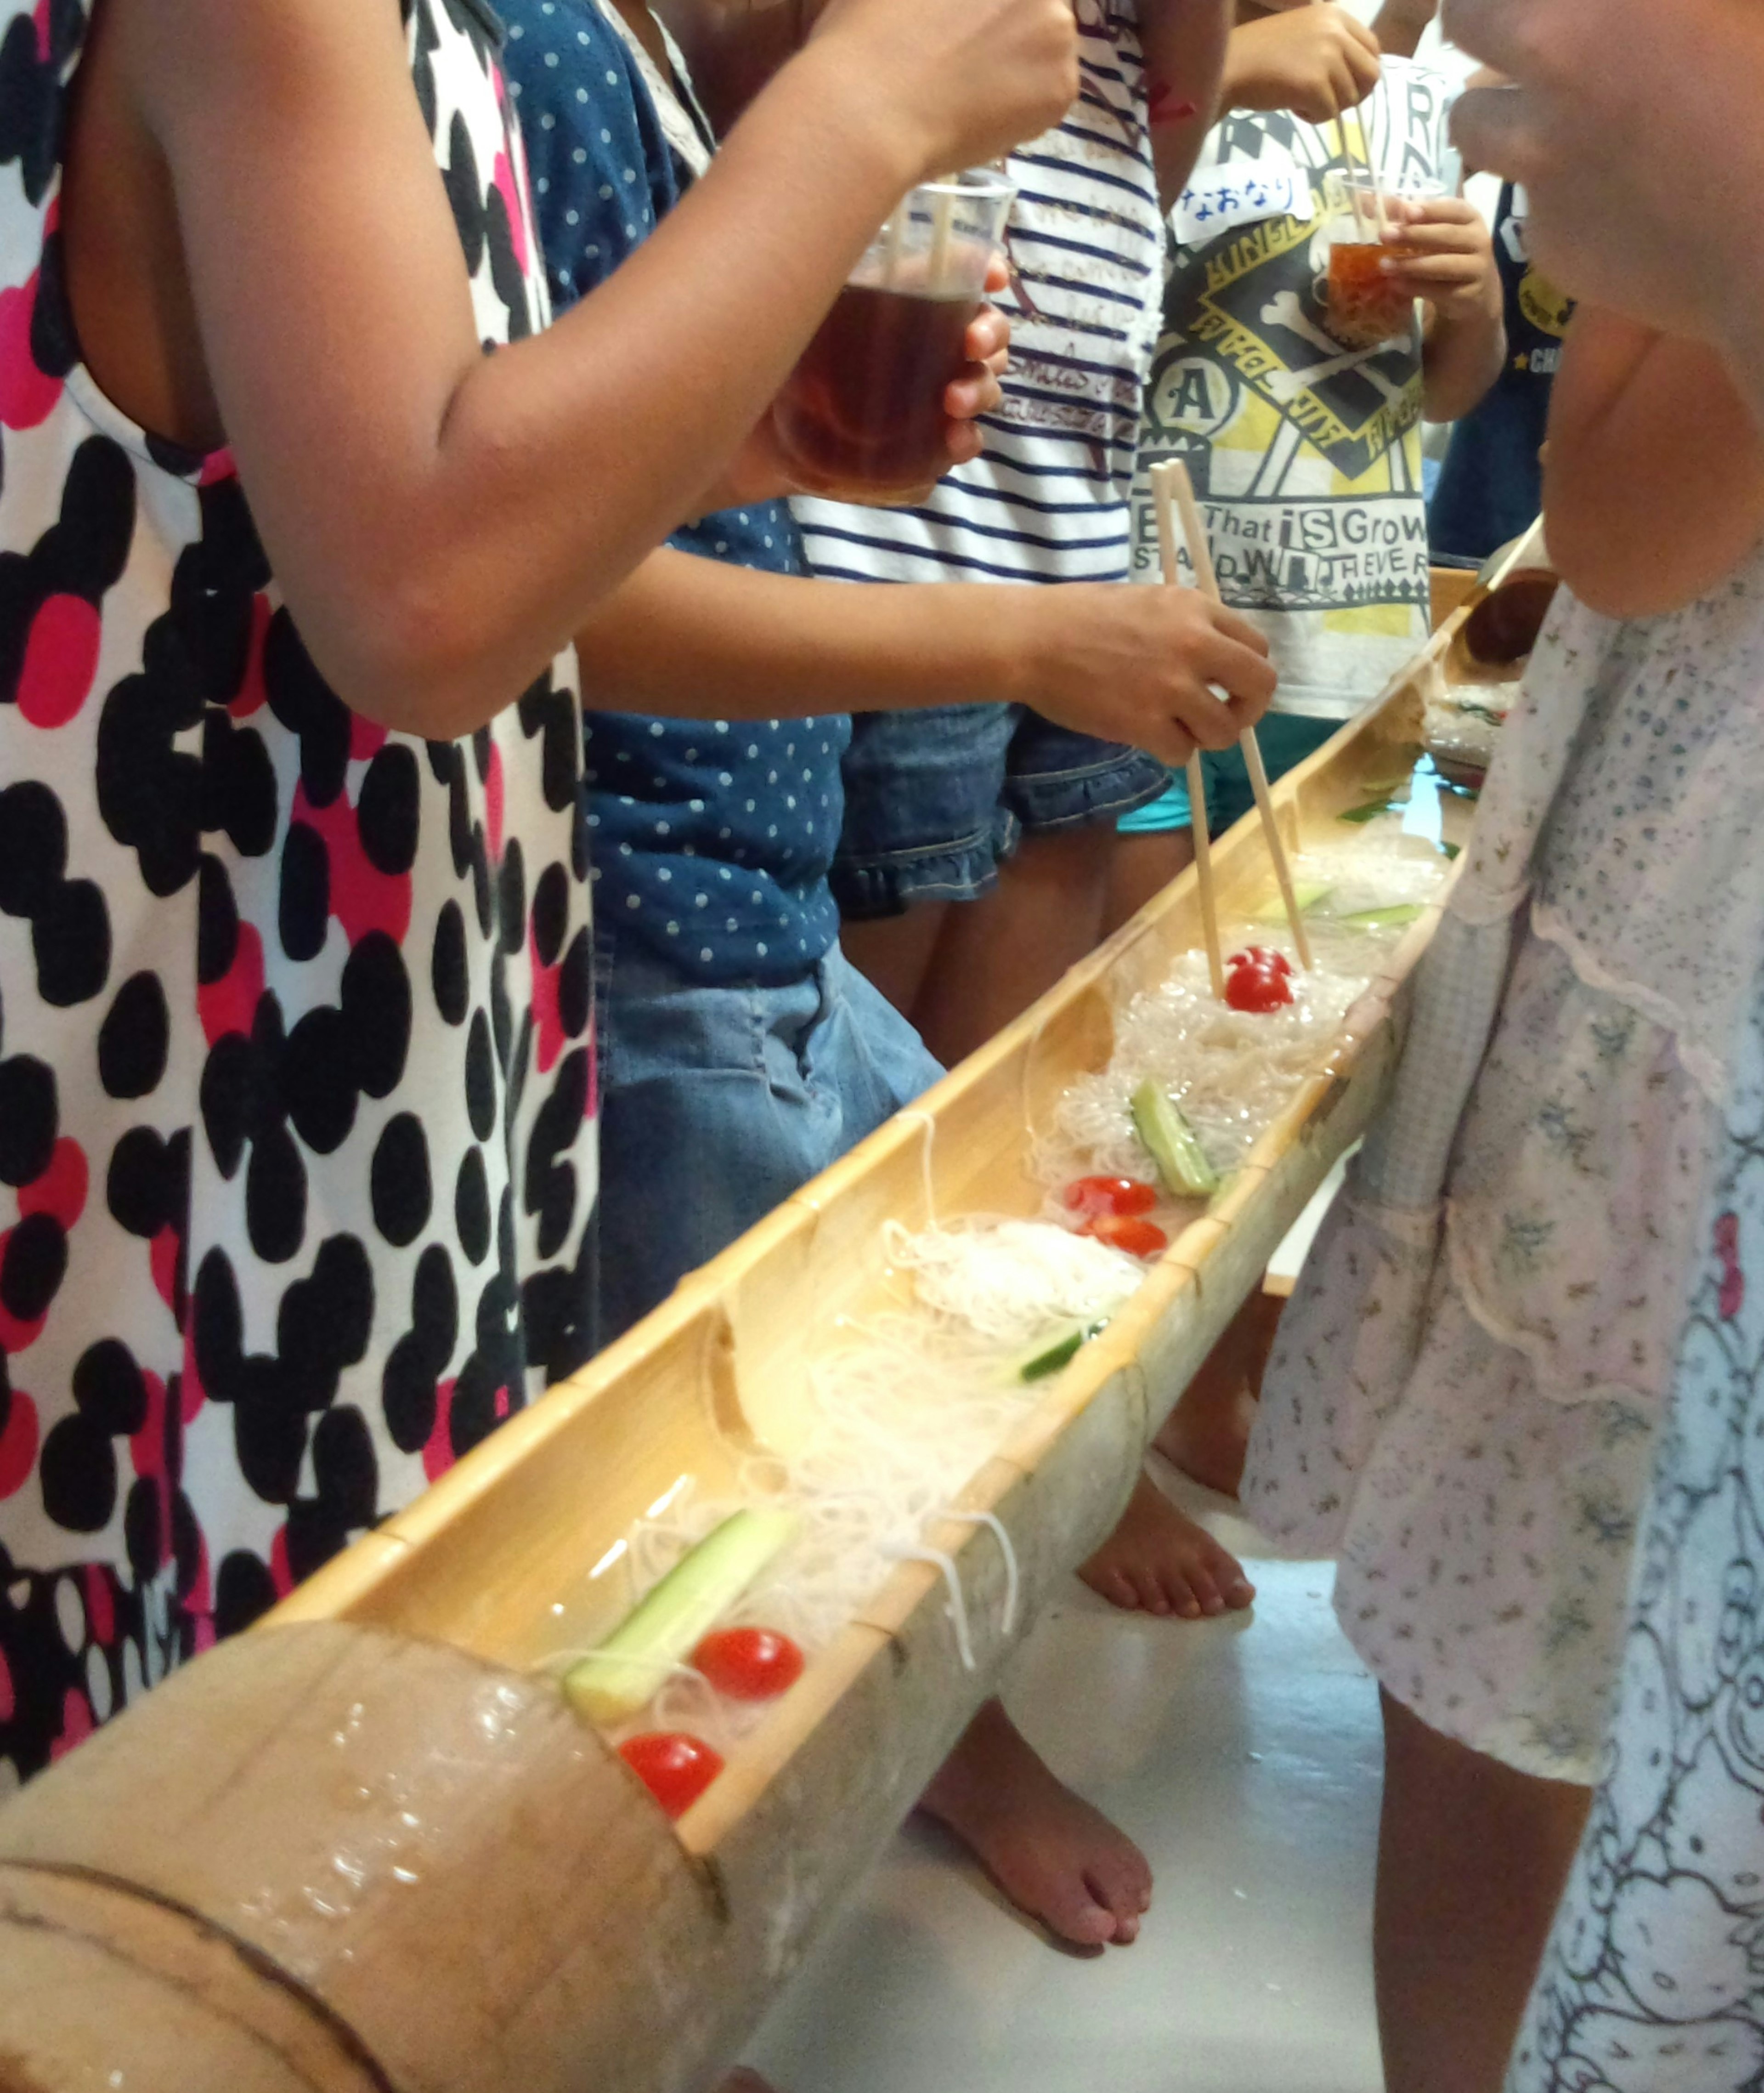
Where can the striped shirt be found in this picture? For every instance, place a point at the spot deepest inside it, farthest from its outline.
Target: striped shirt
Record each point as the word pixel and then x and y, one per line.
pixel 1047 498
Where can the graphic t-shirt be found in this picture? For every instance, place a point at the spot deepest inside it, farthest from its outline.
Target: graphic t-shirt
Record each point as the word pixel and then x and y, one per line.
pixel 1491 487
pixel 1047 498
pixel 711 838
pixel 1305 451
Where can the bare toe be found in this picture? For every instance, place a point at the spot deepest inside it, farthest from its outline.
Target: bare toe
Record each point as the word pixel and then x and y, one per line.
pixel 1110 1583
pixel 1070 1910
pixel 1052 1854
pixel 1225 1574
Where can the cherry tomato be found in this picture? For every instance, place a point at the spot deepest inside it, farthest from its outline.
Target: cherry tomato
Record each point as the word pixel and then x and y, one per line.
pixel 749 1664
pixel 1263 956
pixel 1126 1231
pixel 1257 989
pixel 1110 1195
pixel 675 1768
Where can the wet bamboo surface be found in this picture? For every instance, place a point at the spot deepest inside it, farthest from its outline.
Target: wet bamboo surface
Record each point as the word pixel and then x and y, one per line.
pixel 365 1847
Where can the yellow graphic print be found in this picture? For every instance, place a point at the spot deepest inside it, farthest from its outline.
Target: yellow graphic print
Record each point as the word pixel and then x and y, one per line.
pixel 1256 311
pixel 1304 447
pixel 1543 305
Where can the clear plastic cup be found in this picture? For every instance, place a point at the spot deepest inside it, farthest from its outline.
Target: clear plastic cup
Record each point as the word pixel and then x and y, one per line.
pixel 1364 308
pixel 862 415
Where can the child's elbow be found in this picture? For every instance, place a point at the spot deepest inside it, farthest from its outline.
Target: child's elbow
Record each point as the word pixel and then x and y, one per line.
pixel 414 663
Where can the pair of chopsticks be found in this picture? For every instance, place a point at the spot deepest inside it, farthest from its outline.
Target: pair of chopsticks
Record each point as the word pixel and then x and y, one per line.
pixel 1173 491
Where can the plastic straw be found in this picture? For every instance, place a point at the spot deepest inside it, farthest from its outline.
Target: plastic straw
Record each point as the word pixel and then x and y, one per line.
pixel 942 232
pixel 893 238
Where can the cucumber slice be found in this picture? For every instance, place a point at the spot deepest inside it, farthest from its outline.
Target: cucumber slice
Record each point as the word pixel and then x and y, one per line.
pixel 1385 919
pixel 630 1668
pixel 1274 912
pixel 1062 1354
pixel 1171 1142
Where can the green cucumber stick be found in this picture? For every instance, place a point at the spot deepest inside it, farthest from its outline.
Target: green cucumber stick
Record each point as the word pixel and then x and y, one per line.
pixel 1171 1142
pixel 630 1667
pixel 1307 894
pixel 1390 918
pixel 1060 1355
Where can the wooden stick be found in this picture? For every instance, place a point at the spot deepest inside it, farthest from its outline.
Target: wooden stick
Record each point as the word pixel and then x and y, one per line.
pixel 1165 489
pixel 1175 476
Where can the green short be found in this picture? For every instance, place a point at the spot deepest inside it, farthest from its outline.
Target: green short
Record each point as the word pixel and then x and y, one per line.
pixel 1285 738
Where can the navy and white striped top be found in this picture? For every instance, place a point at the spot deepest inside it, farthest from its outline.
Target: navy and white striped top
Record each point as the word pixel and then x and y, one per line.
pixel 1046 500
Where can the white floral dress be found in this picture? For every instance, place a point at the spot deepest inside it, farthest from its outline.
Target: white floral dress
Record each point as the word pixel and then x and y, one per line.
pixel 1654 1982
pixel 1463 1400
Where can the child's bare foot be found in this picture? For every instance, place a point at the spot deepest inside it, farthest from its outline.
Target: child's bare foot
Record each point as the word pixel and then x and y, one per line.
pixel 1158 1561
pixel 1053 1855
pixel 1207 1435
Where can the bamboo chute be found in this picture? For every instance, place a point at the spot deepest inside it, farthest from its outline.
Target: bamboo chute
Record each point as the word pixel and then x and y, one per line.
pixel 365 1847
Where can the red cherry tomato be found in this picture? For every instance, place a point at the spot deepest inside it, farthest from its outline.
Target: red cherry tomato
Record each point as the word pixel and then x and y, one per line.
pixel 749 1664
pixel 1110 1195
pixel 1257 989
pixel 675 1768
pixel 1126 1231
pixel 1261 956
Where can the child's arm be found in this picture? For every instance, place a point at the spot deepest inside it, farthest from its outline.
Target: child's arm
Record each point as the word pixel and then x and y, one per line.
pixel 1454 274
pixel 1184 43
pixel 685 635
pixel 1315 60
pixel 1400 24
pixel 442 522
pixel 1654 481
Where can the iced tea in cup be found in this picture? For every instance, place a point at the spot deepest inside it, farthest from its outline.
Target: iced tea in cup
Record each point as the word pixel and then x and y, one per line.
pixel 863 415
pixel 1364 308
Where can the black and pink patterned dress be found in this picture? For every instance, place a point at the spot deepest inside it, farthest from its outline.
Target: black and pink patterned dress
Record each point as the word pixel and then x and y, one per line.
pixel 296 1064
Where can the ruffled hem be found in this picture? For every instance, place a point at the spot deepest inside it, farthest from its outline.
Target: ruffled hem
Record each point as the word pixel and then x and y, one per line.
pixel 1537 1350
pixel 1707 1071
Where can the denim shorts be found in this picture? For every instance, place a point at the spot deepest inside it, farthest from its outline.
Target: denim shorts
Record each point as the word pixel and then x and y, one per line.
pixel 1285 740
pixel 936 799
pixel 717 1103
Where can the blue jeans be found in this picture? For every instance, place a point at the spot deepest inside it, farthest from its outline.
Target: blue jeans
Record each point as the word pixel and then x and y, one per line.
pixel 717 1103
pixel 936 799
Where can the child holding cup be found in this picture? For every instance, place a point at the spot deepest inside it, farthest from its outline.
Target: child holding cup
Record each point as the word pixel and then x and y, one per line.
pixel 296 1085
pixel 741 1052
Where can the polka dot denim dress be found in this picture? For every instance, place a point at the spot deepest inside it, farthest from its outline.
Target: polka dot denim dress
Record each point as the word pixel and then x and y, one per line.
pixel 711 838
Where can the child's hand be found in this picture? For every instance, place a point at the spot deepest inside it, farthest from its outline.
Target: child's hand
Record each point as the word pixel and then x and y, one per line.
pixel 977 391
pixel 760 472
pixel 1134 664
pixel 1316 61
pixel 1453 268
pixel 962 82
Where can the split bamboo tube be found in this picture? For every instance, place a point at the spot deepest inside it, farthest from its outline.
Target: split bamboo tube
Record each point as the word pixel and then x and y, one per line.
pixel 364 1849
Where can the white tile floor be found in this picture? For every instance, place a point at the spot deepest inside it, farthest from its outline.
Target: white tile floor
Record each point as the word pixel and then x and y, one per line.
pixel 1244 1757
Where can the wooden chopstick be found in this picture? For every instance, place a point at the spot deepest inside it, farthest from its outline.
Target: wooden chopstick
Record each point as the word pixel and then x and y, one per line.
pixel 1173 474
pixel 1165 493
